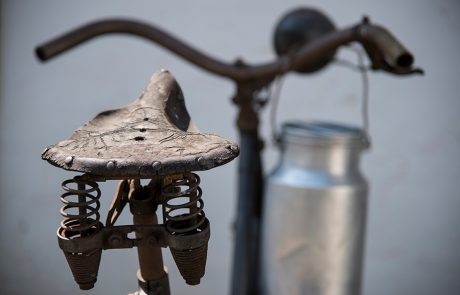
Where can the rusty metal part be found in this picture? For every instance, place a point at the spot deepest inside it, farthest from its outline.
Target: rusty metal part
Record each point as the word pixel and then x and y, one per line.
pixel 150 258
pixel 116 237
pixel 83 238
pixel 119 202
pixel 82 224
pixel 187 216
pixel 86 220
pixel 152 136
pixel 191 263
pixel 143 200
pixel 187 225
pixel 159 286
pixel 364 33
pixel 84 267
pixel 84 254
pixel 143 205
pixel 190 253
pixel 384 53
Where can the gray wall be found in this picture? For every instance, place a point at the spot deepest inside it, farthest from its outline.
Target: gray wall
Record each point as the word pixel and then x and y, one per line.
pixel 413 233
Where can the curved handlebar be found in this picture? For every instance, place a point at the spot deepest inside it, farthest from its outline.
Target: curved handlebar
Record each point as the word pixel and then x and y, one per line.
pixel 384 50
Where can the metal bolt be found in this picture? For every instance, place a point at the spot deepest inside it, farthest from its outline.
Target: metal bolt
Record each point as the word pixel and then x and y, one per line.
pixel 234 148
pixel 156 165
pixel 201 161
pixel 110 165
pixel 68 160
pixel 115 240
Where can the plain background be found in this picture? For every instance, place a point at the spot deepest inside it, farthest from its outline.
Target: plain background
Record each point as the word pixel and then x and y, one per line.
pixel 413 238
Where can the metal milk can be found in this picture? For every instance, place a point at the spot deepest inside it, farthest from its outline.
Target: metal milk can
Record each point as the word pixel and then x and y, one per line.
pixel 314 212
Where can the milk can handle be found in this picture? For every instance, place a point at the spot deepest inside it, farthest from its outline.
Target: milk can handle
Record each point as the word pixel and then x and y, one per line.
pixel 278 83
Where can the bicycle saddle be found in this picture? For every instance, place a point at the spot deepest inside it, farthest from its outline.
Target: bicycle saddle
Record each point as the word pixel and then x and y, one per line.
pixel 152 136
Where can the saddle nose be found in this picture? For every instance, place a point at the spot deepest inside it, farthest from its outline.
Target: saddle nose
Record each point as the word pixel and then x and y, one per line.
pixel 152 136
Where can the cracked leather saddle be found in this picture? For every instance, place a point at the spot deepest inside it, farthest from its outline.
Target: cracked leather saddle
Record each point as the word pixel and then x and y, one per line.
pixel 152 136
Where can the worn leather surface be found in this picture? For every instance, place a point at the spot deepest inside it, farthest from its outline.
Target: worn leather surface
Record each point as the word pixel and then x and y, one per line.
pixel 154 135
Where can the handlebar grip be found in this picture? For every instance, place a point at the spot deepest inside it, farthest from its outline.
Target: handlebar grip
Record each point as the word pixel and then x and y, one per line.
pixel 385 50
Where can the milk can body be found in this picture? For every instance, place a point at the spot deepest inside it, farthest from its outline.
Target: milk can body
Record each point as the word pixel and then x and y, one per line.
pixel 314 213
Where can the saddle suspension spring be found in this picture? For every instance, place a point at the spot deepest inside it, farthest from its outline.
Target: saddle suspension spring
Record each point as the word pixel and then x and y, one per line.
pixel 182 205
pixel 184 217
pixel 81 207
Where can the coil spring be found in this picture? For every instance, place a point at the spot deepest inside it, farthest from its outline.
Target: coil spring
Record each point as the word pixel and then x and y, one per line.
pixel 176 220
pixel 86 220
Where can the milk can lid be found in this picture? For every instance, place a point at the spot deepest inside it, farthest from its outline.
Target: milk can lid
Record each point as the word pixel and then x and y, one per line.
pixel 323 133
